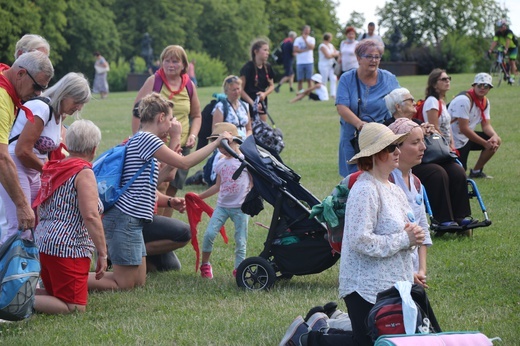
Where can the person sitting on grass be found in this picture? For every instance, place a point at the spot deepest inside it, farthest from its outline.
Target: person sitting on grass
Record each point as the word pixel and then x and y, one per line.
pixel 231 195
pixel 317 92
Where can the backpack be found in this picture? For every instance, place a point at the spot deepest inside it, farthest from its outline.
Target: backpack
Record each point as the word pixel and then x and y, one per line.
pixel 471 102
pixel 108 169
pixel 44 100
pixel 386 316
pixel 419 105
pixel 19 272
pixel 277 54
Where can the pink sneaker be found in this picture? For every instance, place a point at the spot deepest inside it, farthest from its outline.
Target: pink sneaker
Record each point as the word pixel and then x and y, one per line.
pixel 234 273
pixel 206 271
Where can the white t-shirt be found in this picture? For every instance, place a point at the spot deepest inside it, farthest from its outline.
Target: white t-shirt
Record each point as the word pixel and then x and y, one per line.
pixel 323 60
pixel 232 193
pixel 322 93
pixel 460 108
pixel 304 57
pixel 348 55
pixel 50 137
pixel 445 118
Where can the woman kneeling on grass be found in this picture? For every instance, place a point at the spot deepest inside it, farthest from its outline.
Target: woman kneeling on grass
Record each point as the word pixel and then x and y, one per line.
pixel 124 222
pixel 70 224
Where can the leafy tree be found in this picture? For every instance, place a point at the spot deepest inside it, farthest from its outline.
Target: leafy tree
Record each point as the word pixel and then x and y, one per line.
pixel 356 20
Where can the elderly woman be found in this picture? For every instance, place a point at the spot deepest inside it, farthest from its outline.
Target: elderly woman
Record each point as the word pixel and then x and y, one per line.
pixel 445 183
pixel 360 98
pixel 70 225
pixel 412 150
pixel 31 143
pixel 378 242
pixel 347 47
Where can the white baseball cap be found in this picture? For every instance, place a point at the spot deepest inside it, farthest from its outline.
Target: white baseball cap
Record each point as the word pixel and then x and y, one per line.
pixel 317 78
pixel 483 78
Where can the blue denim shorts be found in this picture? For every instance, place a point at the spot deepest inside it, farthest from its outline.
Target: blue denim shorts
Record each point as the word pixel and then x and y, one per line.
pixel 124 236
pixel 304 71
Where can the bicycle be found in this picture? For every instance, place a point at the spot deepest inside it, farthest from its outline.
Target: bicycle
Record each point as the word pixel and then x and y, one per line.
pixel 500 68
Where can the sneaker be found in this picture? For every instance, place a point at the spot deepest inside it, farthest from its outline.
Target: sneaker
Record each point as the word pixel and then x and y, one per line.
pixel 292 336
pixel 277 89
pixel 235 273
pixel 196 179
pixel 330 308
pixel 511 80
pixel 291 89
pixel 477 175
pixel 318 321
pixel 468 220
pixel 206 271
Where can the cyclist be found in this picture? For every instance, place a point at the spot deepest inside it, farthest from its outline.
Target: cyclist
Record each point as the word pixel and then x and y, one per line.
pixel 505 38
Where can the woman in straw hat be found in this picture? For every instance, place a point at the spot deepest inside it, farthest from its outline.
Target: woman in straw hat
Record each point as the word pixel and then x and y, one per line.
pixel 380 229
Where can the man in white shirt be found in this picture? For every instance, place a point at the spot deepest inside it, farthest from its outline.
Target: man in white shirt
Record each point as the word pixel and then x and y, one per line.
pixel 303 49
pixel 467 111
pixel 371 34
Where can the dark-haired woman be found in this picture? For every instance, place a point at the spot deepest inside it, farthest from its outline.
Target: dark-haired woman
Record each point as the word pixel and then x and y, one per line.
pixel 257 76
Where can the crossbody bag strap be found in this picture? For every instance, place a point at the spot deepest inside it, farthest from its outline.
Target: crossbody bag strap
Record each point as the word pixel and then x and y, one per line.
pixel 359 101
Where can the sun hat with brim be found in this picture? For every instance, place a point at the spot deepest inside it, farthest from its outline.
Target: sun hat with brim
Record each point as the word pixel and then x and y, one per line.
pixel 221 127
pixel 317 78
pixel 483 78
pixel 373 138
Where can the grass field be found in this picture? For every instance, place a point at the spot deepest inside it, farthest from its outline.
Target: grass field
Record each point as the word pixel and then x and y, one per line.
pixel 474 282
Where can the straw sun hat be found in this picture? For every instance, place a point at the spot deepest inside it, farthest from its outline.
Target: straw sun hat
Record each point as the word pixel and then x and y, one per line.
pixel 373 138
pixel 221 127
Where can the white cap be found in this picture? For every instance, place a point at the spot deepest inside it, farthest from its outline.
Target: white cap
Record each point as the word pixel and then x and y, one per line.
pixel 317 78
pixel 483 78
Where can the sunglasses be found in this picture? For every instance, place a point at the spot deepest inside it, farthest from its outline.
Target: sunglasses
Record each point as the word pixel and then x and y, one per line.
pixel 445 79
pixel 36 86
pixel 391 148
pixel 232 79
pixel 484 86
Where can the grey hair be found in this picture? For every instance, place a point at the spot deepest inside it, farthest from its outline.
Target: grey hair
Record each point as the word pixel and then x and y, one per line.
pixel 365 45
pixel 72 85
pixel 395 97
pixel 35 62
pixel 30 43
pixel 82 136
pixel 292 34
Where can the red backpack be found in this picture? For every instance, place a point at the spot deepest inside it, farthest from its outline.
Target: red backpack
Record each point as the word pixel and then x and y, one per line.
pixel 419 105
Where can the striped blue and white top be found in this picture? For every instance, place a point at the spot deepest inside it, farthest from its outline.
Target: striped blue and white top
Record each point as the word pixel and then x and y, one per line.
pixel 139 199
pixel 61 231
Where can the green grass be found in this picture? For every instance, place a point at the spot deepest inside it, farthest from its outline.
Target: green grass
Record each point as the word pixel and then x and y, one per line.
pixel 474 282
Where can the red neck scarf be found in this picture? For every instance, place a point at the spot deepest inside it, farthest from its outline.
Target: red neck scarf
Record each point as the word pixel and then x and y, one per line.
pixel 6 84
pixel 55 174
pixel 184 81
pixel 480 103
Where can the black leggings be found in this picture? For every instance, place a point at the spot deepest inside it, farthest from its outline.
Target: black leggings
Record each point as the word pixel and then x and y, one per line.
pixel 471 146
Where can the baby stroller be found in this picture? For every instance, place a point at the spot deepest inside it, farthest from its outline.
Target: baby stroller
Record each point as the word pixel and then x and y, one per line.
pixel 295 244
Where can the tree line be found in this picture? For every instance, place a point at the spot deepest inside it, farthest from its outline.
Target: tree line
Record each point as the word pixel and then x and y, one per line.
pixel 224 29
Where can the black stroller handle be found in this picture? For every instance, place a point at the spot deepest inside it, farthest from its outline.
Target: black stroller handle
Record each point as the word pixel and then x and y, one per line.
pixel 225 145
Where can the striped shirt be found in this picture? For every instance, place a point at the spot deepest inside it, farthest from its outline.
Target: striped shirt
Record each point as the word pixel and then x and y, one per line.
pixel 139 199
pixel 61 231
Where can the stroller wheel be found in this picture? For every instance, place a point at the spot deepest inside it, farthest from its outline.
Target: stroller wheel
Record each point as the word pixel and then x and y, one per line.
pixel 255 273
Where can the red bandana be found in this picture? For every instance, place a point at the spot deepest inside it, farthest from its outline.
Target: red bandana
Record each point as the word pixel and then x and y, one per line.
pixel 55 174
pixel 480 103
pixel 184 77
pixel 6 84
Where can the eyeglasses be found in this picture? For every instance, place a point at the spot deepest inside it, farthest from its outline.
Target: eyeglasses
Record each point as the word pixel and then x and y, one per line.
pixel 409 99
pixel 36 86
pixel 232 79
pixel 445 79
pixel 484 86
pixel 371 57
pixel 391 148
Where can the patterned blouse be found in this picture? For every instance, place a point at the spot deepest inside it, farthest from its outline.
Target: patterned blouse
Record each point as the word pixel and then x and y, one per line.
pixel 376 250
pixel 61 231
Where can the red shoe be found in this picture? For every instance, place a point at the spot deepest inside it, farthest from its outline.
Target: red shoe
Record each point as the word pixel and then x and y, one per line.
pixel 206 271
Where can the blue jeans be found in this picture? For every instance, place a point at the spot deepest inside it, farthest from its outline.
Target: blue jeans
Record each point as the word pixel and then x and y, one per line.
pixel 124 236
pixel 218 219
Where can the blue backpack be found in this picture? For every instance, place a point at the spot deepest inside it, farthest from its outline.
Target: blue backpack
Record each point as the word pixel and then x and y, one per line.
pixel 19 272
pixel 108 169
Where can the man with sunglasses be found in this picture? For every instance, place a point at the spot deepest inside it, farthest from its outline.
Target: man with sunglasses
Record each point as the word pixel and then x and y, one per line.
pixel 467 110
pixel 27 78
